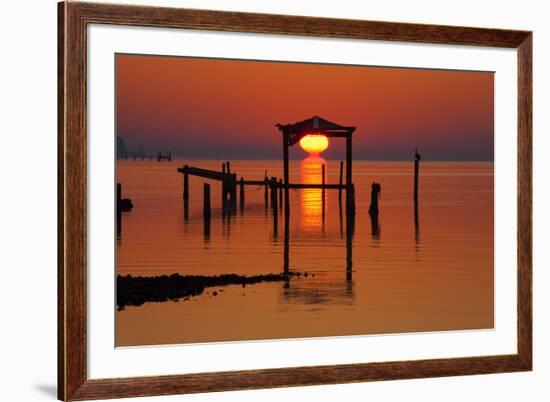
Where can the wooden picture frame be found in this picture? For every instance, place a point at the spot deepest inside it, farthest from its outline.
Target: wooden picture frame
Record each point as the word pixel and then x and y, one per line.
pixel 73 382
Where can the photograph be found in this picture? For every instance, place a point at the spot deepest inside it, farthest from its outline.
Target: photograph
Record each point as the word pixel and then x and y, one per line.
pixel 265 199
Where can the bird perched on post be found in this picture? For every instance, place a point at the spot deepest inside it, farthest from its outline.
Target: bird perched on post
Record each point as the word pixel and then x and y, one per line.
pixel 416 154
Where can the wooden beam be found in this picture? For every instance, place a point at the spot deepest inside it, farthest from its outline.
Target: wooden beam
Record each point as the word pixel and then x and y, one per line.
pixel 254 182
pixel 320 186
pixel 206 173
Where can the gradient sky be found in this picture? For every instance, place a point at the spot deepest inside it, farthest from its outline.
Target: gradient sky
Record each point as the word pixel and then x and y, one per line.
pixel 227 109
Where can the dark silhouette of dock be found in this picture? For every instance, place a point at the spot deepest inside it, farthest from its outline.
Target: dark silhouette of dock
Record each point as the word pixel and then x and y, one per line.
pixel 138 290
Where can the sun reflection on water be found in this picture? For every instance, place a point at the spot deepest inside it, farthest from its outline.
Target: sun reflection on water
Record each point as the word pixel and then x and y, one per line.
pixel 311 203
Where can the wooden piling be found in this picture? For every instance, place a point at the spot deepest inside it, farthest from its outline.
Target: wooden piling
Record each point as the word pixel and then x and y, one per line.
pixel 224 187
pixel 265 189
pixel 118 211
pixel 185 193
pixel 185 183
pixel 280 193
pixel 350 201
pixel 233 191
pixel 341 181
pixel 228 167
pixel 323 175
pixel 206 211
pixel 286 173
pixel 274 207
pixel 273 188
pixel 415 196
pixel 349 158
pixel 374 197
pixel 350 231
pixel 241 193
pixel 416 167
pixel 286 252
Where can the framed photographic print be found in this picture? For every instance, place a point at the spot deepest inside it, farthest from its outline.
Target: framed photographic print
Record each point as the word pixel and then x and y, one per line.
pixel 253 201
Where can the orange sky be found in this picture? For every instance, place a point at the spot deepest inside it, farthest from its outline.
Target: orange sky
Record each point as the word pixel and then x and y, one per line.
pixel 227 109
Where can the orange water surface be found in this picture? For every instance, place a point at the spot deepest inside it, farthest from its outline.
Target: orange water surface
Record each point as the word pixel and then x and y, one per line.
pixel 400 276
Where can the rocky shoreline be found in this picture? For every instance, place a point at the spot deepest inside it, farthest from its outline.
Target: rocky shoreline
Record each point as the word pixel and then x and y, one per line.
pixel 137 290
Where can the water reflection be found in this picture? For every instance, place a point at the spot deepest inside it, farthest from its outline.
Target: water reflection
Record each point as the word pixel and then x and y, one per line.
pixel 320 291
pixel 326 288
pixel 313 201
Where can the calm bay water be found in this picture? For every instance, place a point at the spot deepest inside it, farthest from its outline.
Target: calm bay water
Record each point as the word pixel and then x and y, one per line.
pixel 404 278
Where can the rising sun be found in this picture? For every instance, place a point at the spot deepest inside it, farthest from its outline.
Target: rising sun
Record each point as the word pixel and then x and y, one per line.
pixel 314 143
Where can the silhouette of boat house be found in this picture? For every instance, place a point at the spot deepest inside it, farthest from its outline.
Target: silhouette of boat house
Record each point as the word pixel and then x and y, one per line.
pixel 293 133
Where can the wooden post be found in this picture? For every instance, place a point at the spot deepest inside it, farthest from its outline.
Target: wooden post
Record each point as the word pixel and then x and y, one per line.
pixel 281 193
pixel 416 224
pixel 350 201
pixel 416 166
pixel 350 230
pixel 228 167
pixel 185 184
pixel 118 194
pixel 185 193
pixel 416 169
pixel 374 197
pixel 323 174
pixel 286 255
pixel 118 210
pixel 206 210
pixel 285 167
pixel 274 207
pixel 350 191
pixel 233 191
pixel 224 188
pixel 241 193
pixel 341 181
pixel 273 189
pixel 349 157
pixel 265 189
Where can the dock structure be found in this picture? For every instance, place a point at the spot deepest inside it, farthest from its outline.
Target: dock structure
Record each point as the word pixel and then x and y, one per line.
pixel 276 190
pixel 293 133
pixel 273 186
